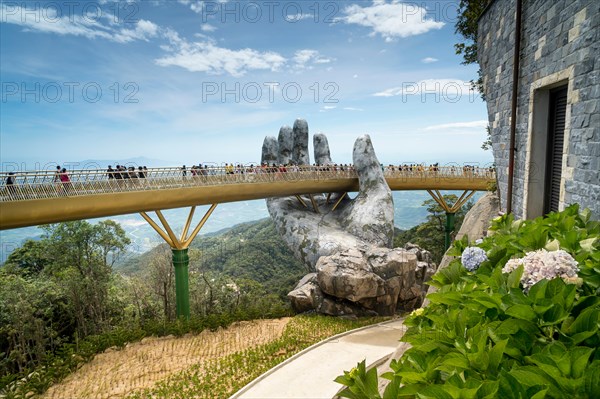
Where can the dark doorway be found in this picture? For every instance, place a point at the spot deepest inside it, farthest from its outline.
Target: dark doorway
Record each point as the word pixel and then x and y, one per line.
pixel 556 139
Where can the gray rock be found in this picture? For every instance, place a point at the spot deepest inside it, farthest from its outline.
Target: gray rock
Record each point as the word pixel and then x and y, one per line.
pixel 321 147
pixel 477 221
pixel 307 297
pixel 300 150
pixel 309 278
pixel 339 307
pixel 270 150
pixel 347 275
pixel 391 263
pixel 286 145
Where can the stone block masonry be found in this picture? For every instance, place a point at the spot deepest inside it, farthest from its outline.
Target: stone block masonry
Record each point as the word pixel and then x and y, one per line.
pixel 560 45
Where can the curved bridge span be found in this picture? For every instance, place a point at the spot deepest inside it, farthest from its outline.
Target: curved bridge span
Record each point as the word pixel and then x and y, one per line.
pixel 40 197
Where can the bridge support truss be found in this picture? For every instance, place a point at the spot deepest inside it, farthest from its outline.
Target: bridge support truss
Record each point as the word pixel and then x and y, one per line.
pixel 450 210
pixel 179 247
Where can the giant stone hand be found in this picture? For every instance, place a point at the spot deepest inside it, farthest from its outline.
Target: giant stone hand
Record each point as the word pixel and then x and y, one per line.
pixel 348 250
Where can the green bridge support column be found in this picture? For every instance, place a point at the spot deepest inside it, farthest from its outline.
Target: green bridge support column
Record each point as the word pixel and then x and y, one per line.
pixel 181 261
pixel 449 228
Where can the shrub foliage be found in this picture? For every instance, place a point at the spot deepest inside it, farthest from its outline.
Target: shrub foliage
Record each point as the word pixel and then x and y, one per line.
pixel 483 336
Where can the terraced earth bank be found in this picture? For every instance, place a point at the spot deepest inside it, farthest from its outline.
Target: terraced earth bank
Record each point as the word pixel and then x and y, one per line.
pixel 117 373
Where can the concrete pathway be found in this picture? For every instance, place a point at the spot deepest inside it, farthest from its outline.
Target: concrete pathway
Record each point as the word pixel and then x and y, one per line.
pixel 310 373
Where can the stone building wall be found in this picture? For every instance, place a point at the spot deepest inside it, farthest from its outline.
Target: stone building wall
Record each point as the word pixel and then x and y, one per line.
pixel 560 43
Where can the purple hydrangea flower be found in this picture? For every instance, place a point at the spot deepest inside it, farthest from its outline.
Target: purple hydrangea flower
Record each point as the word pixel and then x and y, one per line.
pixel 472 258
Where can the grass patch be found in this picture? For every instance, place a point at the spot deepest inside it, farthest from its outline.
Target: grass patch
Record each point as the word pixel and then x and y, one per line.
pixel 222 377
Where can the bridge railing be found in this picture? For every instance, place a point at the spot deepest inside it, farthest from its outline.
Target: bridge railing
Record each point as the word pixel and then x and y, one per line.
pixel 20 186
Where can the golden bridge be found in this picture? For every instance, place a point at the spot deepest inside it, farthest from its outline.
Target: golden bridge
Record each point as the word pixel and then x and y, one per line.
pixel 40 197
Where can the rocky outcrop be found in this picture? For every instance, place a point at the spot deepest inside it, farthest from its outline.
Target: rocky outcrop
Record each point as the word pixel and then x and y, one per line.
pixel 376 281
pixel 477 221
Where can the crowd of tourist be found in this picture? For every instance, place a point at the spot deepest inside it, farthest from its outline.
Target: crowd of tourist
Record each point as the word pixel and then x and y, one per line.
pixel 123 174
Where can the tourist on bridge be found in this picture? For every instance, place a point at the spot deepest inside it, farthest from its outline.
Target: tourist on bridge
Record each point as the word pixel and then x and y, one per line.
pixel 10 184
pixel 65 181
pixel 57 174
pixel 110 172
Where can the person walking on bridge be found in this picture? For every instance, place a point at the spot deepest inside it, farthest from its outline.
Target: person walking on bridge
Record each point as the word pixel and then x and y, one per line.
pixel 65 181
pixel 10 185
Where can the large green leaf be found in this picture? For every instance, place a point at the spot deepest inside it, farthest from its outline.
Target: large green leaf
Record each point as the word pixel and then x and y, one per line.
pixel 439 392
pixel 522 312
pixel 592 380
pixel 530 376
pixel 586 321
pixel 495 357
pixel 579 360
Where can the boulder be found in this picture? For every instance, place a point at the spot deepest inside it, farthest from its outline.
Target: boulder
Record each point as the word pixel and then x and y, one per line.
pixel 307 297
pixel 347 275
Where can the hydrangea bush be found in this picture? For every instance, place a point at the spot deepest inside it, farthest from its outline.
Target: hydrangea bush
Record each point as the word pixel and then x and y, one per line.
pixel 505 322
pixel 542 264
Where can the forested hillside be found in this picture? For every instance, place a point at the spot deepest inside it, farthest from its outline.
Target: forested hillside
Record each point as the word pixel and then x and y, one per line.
pixel 248 251
pixel 72 292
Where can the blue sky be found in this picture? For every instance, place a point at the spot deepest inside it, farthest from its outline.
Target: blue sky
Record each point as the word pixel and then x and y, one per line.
pixel 205 81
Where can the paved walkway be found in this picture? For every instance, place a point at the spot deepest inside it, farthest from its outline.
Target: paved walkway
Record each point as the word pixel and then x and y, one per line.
pixel 310 373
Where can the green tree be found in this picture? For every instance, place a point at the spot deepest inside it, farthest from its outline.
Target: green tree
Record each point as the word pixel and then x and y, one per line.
pixel 34 320
pixel 81 251
pixel 466 25
pixel 30 258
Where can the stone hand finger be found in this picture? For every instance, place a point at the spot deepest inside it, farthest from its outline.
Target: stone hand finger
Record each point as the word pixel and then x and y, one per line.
pixel 321 147
pixel 270 150
pixel 286 145
pixel 300 149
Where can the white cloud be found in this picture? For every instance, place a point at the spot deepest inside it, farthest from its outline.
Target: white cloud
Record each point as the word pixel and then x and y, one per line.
pixel 303 58
pixel 446 87
pixel 47 20
pixel 207 57
pixel 429 60
pixel 208 28
pixel 353 109
pixel 459 125
pixel 297 17
pixel 391 20
pixel 327 108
